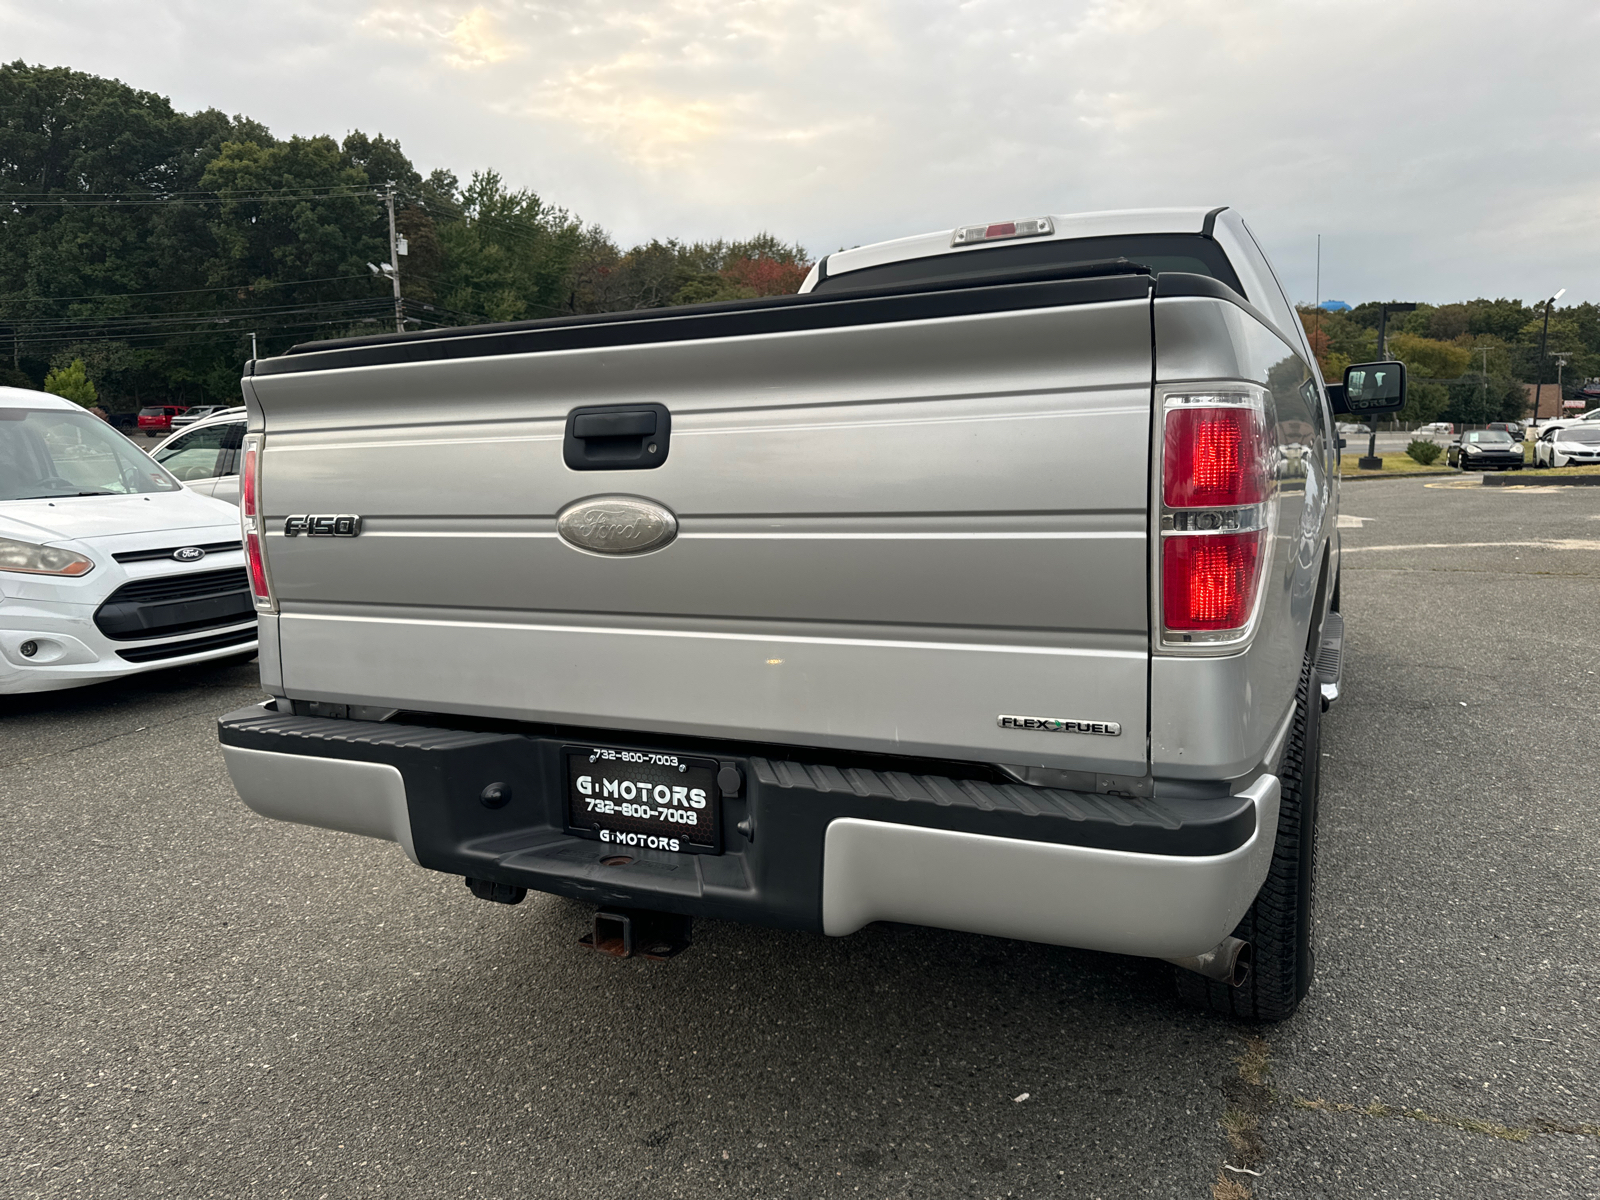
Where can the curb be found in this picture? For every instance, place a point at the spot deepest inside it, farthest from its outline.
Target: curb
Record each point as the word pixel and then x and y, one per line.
pixel 1542 481
pixel 1399 475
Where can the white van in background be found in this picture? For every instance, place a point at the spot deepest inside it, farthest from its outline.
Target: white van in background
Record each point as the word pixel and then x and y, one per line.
pixel 108 565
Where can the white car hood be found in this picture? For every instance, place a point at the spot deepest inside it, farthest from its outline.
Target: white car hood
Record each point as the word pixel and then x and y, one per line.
pixel 88 518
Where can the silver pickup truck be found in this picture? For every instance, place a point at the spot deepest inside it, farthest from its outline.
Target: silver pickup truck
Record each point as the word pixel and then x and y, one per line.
pixel 991 583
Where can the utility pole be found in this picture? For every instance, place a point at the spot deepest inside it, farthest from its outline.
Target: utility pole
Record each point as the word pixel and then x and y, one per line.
pixel 394 262
pixel 1538 386
pixel 1483 383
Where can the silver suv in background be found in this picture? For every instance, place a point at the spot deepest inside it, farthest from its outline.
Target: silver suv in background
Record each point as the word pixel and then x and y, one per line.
pixel 206 455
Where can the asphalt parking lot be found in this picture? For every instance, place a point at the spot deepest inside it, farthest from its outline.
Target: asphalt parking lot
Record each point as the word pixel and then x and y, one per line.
pixel 199 1002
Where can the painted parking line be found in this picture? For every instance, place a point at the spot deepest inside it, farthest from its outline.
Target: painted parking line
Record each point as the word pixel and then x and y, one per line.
pixel 1542 544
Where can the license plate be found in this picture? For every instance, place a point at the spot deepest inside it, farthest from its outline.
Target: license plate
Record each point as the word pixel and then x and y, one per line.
pixel 644 799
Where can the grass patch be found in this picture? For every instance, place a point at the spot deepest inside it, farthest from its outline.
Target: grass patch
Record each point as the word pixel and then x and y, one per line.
pixel 1254 1062
pixel 1228 1189
pixel 1392 462
pixel 1558 472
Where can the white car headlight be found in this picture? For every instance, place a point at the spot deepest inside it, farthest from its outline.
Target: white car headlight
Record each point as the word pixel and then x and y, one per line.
pixel 28 559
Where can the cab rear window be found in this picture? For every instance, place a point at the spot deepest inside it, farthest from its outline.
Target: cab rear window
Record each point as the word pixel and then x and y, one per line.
pixel 1187 252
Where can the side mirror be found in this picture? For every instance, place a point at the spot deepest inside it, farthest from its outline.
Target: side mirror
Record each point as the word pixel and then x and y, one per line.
pixel 1373 388
pixel 1336 400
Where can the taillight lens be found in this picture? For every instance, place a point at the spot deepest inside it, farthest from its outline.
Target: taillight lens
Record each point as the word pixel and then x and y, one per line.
pixel 247 485
pixel 258 568
pixel 1214 458
pixel 1216 495
pixel 249 522
pixel 1208 580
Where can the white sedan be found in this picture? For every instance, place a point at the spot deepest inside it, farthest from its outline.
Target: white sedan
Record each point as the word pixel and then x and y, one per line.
pixel 108 565
pixel 1573 445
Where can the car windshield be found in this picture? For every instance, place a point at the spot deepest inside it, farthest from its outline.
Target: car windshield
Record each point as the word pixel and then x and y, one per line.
pixel 1589 435
pixel 1489 436
pixel 50 452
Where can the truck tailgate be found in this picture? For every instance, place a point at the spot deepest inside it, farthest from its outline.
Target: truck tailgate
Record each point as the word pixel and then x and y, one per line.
pixel 892 532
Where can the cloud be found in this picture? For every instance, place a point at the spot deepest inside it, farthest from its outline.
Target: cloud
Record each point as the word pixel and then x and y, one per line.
pixel 478 41
pixel 467 42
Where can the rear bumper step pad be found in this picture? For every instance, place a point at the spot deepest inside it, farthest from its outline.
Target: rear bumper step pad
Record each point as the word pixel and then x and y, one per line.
pixel 772 869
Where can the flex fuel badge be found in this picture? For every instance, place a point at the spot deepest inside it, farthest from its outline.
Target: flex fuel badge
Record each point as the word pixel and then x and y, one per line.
pixel 1061 725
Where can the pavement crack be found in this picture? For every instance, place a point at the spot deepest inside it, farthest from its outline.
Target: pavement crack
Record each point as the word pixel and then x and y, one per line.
pixel 18 762
pixel 1494 1129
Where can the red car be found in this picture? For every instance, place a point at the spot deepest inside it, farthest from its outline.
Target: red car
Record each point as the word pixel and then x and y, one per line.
pixel 157 419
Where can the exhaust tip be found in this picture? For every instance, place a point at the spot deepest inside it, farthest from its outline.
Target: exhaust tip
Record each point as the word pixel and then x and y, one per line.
pixel 1227 962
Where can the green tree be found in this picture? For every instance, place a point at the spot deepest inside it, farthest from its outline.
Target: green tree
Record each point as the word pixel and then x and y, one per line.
pixel 1428 357
pixel 71 382
pixel 506 255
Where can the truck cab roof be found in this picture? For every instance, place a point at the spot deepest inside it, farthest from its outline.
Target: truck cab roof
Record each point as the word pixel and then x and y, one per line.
pixel 1214 242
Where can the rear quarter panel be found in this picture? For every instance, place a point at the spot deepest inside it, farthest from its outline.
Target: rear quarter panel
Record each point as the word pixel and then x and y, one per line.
pixel 1217 717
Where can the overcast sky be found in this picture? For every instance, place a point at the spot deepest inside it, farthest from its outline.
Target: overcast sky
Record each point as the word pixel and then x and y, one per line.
pixel 1444 149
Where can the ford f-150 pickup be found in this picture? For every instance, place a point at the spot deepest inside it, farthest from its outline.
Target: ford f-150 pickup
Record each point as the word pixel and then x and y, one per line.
pixel 990 583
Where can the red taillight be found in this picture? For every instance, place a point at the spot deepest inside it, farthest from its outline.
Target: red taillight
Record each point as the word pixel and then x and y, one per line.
pixel 258 568
pixel 1213 458
pixel 249 523
pixel 247 487
pixel 1216 507
pixel 1208 581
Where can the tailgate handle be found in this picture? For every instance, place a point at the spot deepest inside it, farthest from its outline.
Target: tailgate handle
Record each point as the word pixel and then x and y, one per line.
pixel 623 437
pixel 615 424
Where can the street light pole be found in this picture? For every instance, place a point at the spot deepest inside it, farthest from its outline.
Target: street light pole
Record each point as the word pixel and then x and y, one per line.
pixel 1544 335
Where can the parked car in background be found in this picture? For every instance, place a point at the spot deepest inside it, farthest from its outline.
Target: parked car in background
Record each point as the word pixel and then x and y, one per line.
pixel 198 412
pixel 1568 445
pixel 1589 392
pixel 1514 428
pixel 205 456
pixel 1350 430
pixel 1435 431
pixel 108 565
pixel 1485 449
pixel 124 422
pixel 156 419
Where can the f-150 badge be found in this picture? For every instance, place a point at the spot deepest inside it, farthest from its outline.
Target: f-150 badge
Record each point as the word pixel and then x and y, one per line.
pixel 616 525
pixel 1062 725
pixel 322 525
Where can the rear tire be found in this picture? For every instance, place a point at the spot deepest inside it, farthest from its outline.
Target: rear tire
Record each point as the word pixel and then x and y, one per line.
pixel 1279 924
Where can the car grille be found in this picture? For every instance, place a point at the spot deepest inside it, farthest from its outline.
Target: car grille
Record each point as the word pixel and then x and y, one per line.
pixel 170 604
pixel 128 556
pixel 217 641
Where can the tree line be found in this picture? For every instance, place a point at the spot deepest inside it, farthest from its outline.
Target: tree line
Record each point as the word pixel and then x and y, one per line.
pixel 1466 363
pixel 151 244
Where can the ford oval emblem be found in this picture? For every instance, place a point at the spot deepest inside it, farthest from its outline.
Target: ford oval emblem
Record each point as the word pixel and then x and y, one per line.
pixel 616 525
pixel 188 554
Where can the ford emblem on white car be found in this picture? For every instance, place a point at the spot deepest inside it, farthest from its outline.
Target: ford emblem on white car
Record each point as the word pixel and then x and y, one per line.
pixel 188 554
pixel 616 525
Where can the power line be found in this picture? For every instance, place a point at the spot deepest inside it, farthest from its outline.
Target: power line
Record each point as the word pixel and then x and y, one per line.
pixel 243 287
